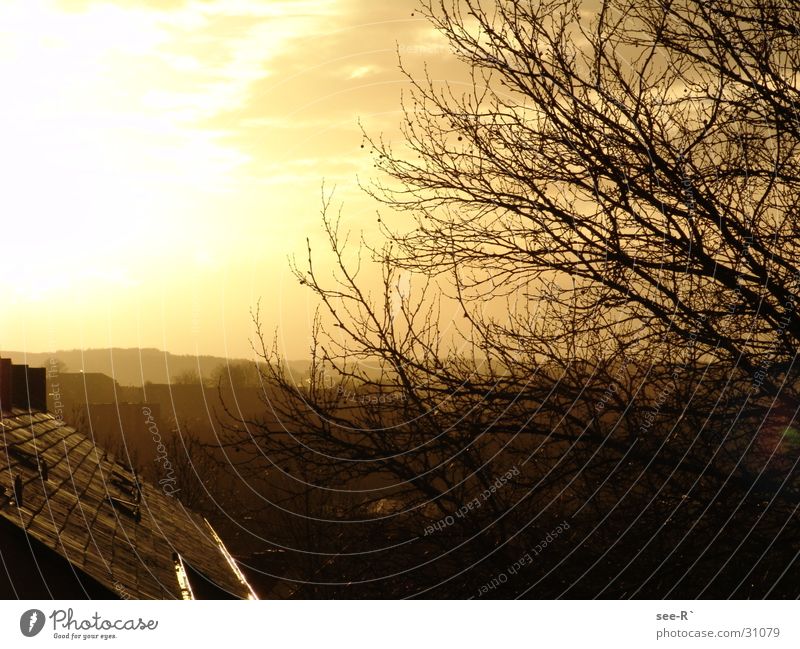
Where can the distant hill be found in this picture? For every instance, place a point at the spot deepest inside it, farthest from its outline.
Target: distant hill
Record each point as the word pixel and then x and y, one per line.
pixel 134 366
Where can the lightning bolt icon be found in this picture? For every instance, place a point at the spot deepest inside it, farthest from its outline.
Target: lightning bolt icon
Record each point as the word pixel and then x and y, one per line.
pixel 34 617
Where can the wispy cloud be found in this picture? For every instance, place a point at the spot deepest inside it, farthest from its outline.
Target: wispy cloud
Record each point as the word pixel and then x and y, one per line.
pixel 138 132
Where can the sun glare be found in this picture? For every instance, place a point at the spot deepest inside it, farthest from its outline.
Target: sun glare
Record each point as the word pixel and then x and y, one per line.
pixel 93 168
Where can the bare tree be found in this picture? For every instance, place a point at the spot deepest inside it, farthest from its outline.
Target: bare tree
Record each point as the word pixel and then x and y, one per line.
pixel 643 163
pixel 611 215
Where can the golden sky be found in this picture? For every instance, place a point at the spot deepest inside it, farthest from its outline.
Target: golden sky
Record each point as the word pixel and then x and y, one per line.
pixel 162 158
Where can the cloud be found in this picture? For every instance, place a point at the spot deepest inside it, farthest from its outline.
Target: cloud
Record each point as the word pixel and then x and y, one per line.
pixel 137 132
pixel 361 71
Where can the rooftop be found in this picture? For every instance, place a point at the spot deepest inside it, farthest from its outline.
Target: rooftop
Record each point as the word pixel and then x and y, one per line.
pixel 93 510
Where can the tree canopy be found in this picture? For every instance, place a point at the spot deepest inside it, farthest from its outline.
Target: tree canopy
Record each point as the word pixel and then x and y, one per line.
pixel 611 211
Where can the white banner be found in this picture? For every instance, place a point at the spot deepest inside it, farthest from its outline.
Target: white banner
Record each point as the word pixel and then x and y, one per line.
pixel 400 625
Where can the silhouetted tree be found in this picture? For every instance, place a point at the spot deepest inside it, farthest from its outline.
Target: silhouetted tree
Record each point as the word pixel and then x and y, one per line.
pixel 187 377
pixel 596 292
pixel 236 374
pixel 643 163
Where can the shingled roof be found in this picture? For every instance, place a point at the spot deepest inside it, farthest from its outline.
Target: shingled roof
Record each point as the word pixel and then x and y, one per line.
pixel 77 500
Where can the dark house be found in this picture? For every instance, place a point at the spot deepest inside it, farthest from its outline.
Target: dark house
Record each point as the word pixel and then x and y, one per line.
pixel 77 523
